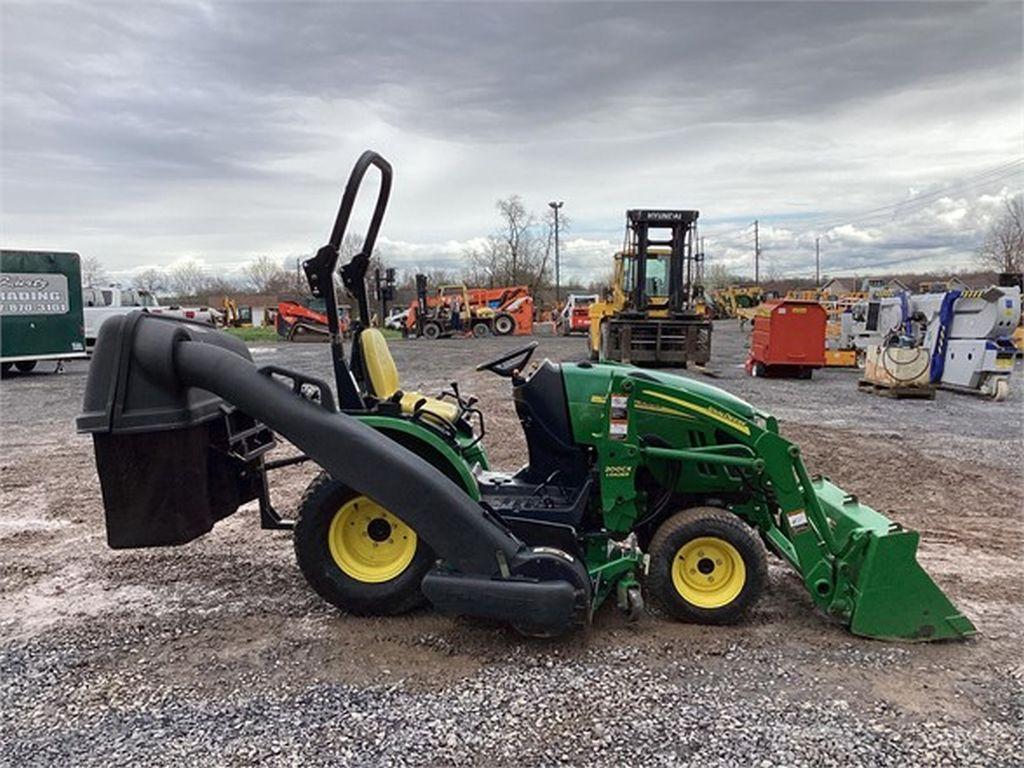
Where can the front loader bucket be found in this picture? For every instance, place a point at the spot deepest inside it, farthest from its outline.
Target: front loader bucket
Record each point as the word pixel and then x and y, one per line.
pixel 881 588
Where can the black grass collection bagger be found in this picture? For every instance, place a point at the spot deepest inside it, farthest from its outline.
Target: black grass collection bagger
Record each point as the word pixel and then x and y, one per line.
pixel 638 482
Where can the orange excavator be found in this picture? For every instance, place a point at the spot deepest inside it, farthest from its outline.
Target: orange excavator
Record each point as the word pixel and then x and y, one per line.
pixel 301 322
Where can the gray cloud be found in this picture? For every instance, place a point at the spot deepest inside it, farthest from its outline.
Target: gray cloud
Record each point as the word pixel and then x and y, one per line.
pixel 142 133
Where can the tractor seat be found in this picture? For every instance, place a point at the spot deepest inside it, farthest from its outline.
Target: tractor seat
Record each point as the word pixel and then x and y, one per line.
pixel 382 378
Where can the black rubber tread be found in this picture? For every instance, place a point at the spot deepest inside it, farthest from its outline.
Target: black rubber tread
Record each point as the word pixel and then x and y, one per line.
pixel 26 366
pixel 691 524
pixel 432 324
pixel 320 501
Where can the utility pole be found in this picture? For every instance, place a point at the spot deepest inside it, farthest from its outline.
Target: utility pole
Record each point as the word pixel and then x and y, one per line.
pixel 700 274
pixel 757 254
pixel 817 262
pixel 555 206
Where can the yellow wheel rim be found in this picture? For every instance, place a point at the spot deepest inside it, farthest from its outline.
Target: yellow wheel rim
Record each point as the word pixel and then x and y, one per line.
pixel 369 543
pixel 708 572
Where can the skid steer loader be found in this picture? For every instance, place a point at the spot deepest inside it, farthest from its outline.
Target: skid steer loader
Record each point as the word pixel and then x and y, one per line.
pixel 637 482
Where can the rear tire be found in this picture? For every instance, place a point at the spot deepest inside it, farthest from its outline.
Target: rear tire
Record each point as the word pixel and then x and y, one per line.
pixel 481 329
pixel 706 567
pixel 335 559
pixel 504 325
pixel 25 366
pixel 432 330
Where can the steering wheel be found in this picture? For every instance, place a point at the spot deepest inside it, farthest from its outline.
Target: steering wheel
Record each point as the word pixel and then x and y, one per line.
pixel 507 365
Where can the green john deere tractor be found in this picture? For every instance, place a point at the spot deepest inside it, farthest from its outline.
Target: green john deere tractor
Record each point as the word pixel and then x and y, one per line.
pixel 638 482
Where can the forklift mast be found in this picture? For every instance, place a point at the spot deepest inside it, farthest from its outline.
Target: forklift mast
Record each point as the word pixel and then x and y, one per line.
pixel 384 290
pixel 646 229
pixel 421 302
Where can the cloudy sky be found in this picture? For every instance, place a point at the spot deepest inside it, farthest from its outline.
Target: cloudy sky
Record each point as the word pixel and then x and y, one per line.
pixel 147 133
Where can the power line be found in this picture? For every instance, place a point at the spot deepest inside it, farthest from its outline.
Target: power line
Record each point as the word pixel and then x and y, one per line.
pixel 918 206
pixel 886 263
pixel 1001 171
pixel 891 211
pixel 907 208
pixel 992 175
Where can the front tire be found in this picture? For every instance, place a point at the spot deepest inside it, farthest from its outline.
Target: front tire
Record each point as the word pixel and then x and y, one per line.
pixel 25 366
pixel 432 330
pixel 357 555
pixel 504 325
pixel 706 567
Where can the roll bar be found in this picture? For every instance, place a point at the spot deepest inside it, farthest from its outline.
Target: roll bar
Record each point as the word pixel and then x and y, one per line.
pixel 320 269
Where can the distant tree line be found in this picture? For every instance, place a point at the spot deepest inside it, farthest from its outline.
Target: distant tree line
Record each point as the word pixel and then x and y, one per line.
pixel 520 251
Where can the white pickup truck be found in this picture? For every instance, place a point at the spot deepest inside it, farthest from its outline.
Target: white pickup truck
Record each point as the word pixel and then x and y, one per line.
pixel 100 303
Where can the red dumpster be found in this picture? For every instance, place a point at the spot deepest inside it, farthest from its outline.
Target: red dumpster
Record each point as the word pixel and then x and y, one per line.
pixel 788 339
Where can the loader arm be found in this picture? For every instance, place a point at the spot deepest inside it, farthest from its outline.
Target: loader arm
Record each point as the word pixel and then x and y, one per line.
pixel 856 563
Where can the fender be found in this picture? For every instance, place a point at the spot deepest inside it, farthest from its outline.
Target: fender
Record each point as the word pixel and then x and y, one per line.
pixel 427 445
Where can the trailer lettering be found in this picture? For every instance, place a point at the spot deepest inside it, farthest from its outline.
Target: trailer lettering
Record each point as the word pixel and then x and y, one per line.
pixel 25 293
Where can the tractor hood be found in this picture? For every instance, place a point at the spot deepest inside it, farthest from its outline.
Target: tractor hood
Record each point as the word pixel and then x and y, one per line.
pixel 587 385
pixel 720 397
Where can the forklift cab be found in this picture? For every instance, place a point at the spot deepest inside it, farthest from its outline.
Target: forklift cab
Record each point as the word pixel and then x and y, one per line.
pixel 656 276
pixel 659 258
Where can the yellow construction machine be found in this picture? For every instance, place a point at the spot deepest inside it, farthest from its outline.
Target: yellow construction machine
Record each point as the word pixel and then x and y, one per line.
pixel 653 313
pixel 234 315
pixel 737 300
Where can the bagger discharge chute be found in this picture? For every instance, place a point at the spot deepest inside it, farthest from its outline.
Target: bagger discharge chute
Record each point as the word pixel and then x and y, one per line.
pixel 639 483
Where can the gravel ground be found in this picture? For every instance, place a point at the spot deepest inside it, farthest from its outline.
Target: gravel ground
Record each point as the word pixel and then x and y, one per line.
pixel 217 653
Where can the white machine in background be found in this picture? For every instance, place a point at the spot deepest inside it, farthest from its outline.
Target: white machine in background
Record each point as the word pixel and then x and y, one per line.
pixel 967 333
pixel 100 304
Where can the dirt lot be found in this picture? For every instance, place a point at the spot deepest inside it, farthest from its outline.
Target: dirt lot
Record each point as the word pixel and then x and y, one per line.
pixel 217 653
